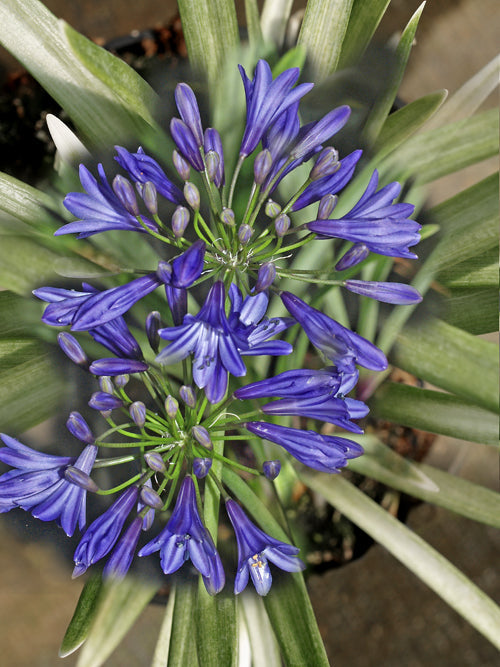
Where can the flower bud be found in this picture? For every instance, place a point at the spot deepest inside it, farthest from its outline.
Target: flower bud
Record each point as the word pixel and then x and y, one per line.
pixel 187 395
pixel 106 384
pixel 124 190
pixel 150 498
pixel 282 225
pixel 353 256
pixel 326 206
pixel 122 380
pixel 326 164
pixel 192 195
pixel 212 161
pixel 397 293
pixel 78 427
pixel 271 469
pixel 153 324
pixel 72 349
pixel 182 167
pixel 262 165
pixel 80 478
pixel 155 461
pixel 180 220
pixel 227 217
pixel 272 208
pixel 202 436
pixel 245 234
pixel 138 413
pixel 102 401
pixel 265 277
pixel 150 197
pixel 201 467
pixel 171 406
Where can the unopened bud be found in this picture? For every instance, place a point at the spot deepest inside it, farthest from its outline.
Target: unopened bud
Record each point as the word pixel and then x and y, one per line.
pixel 271 469
pixel 326 164
pixel 262 165
pixel 78 427
pixel 150 197
pixel 353 256
pixel 187 395
pixel 183 168
pixel 153 324
pixel 124 190
pixel 201 435
pixel 180 220
pixel 138 413
pixel 192 195
pixel 155 461
pixel 80 478
pixel 272 208
pixel 122 380
pixel 326 206
pixel 150 498
pixel 171 406
pixel 72 349
pixel 106 384
pixel 212 161
pixel 201 467
pixel 282 225
pixel 245 234
pixel 265 277
pixel 227 216
pixel 102 401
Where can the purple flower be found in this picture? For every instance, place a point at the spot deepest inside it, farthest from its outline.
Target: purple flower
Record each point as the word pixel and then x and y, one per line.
pixel 251 330
pixel 181 273
pixel 384 227
pixel 326 453
pixel 189 111
pixel 209 338
pixel 99 209
pixel 37 484
pixel 213 142
pixel 121 558
pixel 266 100
pixel 342 346
pixel 320 131
pixel 186 143
pixel 100 537
pixel 328 184
pixel 186 537
pixel 397 293
pixel 142 169
pixel 255 548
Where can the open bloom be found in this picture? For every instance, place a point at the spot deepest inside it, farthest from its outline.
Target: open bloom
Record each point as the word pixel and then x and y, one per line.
pixel 38 484
pixel 255 549
pixel 186 537
pixel 142 169
pixel 384 227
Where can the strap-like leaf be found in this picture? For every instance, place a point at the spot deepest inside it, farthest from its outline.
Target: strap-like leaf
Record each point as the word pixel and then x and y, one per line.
pixel 85 612
pixel 411 550
pixel 274 17
pixel 363 21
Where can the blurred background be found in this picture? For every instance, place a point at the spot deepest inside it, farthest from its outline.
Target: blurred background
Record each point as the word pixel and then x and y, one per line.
pixel 374 604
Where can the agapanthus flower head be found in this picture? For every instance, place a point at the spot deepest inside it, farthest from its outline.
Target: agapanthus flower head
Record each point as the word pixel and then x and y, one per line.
pixel 255 549
pixel 38 485
pixel 99 209
pixel 383 226
pixel 185 537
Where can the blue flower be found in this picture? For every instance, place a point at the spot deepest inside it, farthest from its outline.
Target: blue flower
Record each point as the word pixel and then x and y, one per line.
pixel 100 208
pixel 213 142
pixel 255 548
pixel 189 111
pixel 186 143
pixel 397 293
pixel 326 453
pixel 266 100
pixel 102 534
pixel 209 338
pixel 38 484
pixel 121 558
pixel 251 330
pixel 384 227
pixel 143 168
pixel 186 537
pixel 342 346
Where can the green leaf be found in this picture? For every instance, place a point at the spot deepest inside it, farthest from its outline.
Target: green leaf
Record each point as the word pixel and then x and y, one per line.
pixel 216 629
pixel 435 412
pixel 182 646
pixel 322 33
pixel 363 21
pixel 467 99
pixel 85 612
pixel 295 57
pixel 400 125
pixel 119 605
pixel 383 104
pixel 30 387
pixel 445 150
pixel 412 551
pixel 211 31
pixel 451 359
pixel 264 647
pixel 474 311
pixel 478 271
pixel 37 39
pixel 426 482
pixel 17 315
pixel 274 19
pixel 253 23
pixel 26 203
